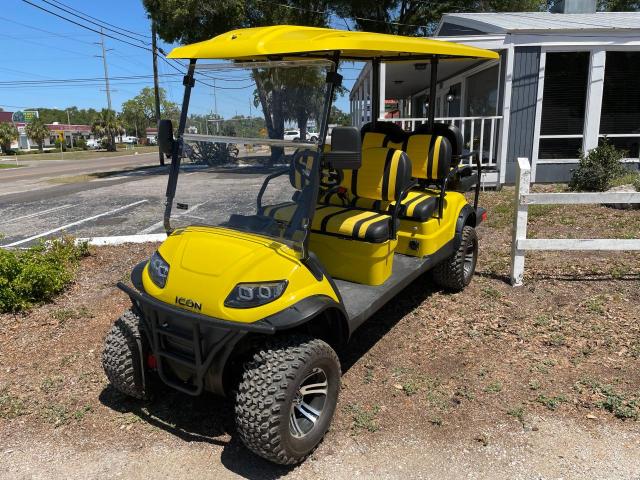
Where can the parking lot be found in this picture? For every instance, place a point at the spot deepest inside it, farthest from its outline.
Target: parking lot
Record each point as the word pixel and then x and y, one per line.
pixel 130 202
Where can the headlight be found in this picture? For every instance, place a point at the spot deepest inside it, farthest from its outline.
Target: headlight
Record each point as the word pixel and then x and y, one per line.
pixel 158 270
pixel 247 295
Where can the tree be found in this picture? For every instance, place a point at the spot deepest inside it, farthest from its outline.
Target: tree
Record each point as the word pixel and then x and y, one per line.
pixel 37 130
pixel 339 117
pixel 188 21
pixel 78 116
pixel 139 112
pixel 8 133
pixel 108 126
pixel 421 17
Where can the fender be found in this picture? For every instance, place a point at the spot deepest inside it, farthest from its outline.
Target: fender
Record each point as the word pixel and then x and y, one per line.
pixel 467 216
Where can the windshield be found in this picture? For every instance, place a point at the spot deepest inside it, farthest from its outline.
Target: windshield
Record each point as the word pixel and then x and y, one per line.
pixel 250 158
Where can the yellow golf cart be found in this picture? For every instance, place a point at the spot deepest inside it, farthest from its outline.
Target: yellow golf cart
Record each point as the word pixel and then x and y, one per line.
pixel 294 253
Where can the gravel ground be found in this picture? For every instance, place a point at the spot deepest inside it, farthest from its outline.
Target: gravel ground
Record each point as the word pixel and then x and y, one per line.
pixel 494 382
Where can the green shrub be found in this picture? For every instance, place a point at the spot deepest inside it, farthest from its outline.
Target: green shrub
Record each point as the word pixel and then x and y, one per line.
pixel 81 143
pixel 37 274
pixel 60 144
pixel 598 168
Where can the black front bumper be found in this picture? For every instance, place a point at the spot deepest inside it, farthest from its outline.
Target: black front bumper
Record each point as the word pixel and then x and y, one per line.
pixel 187 345
pixel 191 348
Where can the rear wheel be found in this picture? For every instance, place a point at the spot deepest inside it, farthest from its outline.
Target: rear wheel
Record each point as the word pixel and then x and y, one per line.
pixel 122 358
pixel 287 397
pixel 456 272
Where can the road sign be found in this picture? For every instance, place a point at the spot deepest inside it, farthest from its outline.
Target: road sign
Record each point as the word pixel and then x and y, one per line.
pixel 24 117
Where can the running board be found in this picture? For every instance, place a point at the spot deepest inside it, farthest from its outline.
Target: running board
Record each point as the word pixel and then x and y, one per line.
pixel 362 301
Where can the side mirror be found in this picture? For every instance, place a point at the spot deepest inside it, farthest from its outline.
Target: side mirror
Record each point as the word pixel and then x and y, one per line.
pixel 346 149
pixel 165 137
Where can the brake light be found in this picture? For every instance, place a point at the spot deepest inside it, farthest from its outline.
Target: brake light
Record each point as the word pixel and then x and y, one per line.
pixel 152 361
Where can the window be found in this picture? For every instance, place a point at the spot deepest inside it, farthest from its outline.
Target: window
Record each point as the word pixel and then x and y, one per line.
pixel 620 114
pixel 563 104
pixel 482 93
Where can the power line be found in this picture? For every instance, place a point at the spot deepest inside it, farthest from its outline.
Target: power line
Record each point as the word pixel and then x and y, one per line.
pixel 101 25
pixel 84 26
pixel 101 21
pixel 40 30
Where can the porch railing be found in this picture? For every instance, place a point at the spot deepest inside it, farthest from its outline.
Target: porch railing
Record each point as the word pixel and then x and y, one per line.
pixel 479 133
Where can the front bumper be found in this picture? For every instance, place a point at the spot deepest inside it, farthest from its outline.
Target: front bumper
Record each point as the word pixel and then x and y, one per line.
pixel 191 349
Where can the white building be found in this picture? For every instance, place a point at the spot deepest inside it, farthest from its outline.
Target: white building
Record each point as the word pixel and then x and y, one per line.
pixel 564 81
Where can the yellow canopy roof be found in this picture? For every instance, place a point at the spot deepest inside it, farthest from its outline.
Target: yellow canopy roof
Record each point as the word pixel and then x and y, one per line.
pixel 291 41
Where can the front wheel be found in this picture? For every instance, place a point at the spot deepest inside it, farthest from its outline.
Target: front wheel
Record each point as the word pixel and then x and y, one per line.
pixel 122 358
pixel 286 398
pixel 456 272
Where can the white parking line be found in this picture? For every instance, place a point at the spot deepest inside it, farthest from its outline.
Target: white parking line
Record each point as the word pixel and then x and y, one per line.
pixel 122 239
pixel 73 224
pixel 157 225
pixel 36 214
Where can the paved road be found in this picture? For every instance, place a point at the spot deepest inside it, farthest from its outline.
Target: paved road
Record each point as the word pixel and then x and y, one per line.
pixel 129 203
pixel 44 169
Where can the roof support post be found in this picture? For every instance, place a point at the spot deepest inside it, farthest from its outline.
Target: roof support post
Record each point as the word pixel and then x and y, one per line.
pixel 174 169
pixel 375 93
pixel 432 91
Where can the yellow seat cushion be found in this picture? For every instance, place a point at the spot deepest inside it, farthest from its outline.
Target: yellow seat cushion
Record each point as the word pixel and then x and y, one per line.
pixel 340 221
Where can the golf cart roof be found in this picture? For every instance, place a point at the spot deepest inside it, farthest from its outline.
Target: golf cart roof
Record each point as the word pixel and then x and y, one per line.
pixel 292 42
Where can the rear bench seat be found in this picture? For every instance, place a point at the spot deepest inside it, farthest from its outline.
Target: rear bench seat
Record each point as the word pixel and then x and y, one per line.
pixel 381 179
pixel 430 157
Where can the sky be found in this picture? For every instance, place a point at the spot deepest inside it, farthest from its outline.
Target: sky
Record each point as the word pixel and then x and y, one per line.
pixel 38 46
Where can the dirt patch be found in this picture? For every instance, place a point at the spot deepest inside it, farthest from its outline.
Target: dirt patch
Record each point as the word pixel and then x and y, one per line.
pixel 543 378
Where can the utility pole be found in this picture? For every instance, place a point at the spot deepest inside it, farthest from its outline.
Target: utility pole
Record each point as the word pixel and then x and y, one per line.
pixel 106 70
pixel 70 131
pixel 156 89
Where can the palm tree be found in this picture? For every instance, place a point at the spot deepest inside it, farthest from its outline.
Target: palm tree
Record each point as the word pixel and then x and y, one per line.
pixel 37 131
pixel 107 126
pixel 8 133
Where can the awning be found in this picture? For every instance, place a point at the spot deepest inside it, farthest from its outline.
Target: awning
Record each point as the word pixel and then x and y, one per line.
pixel 290 41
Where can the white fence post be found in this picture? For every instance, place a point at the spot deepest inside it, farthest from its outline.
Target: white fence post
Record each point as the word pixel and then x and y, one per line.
pixel 520 218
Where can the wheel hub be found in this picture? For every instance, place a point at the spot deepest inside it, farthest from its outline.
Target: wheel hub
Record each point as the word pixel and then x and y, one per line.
pixel 308 403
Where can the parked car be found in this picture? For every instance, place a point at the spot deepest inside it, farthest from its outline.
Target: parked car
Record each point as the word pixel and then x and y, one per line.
pixel 294 135
pixel 129 139
pixel 93 144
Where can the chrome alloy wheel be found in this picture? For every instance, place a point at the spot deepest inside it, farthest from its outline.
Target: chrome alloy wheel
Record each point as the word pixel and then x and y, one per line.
pixel 470 259
pixel 308 403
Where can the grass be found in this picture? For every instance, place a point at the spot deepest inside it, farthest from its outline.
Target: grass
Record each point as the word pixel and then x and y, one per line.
pixel 551 402
pixel 9 165
pixel 518 413
pixel 364 419
pixel 596 304
pixel 621 405
pixel 11 406
pixel 64 314
pixel 493 387
pixel 631 178
pixel 85 154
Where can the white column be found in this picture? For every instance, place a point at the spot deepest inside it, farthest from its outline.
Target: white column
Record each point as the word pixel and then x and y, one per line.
pixel 506 113
pixel 383 88
pixel 538 116
pixel 520 219
pixel 595 88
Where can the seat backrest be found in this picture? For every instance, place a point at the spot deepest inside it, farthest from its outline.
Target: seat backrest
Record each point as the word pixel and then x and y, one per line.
pixel 430 156
pixel 384 174
pixel 450 132
pixel 380 134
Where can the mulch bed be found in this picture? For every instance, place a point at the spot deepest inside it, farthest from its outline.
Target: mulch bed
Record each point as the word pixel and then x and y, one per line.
pixel 567 344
